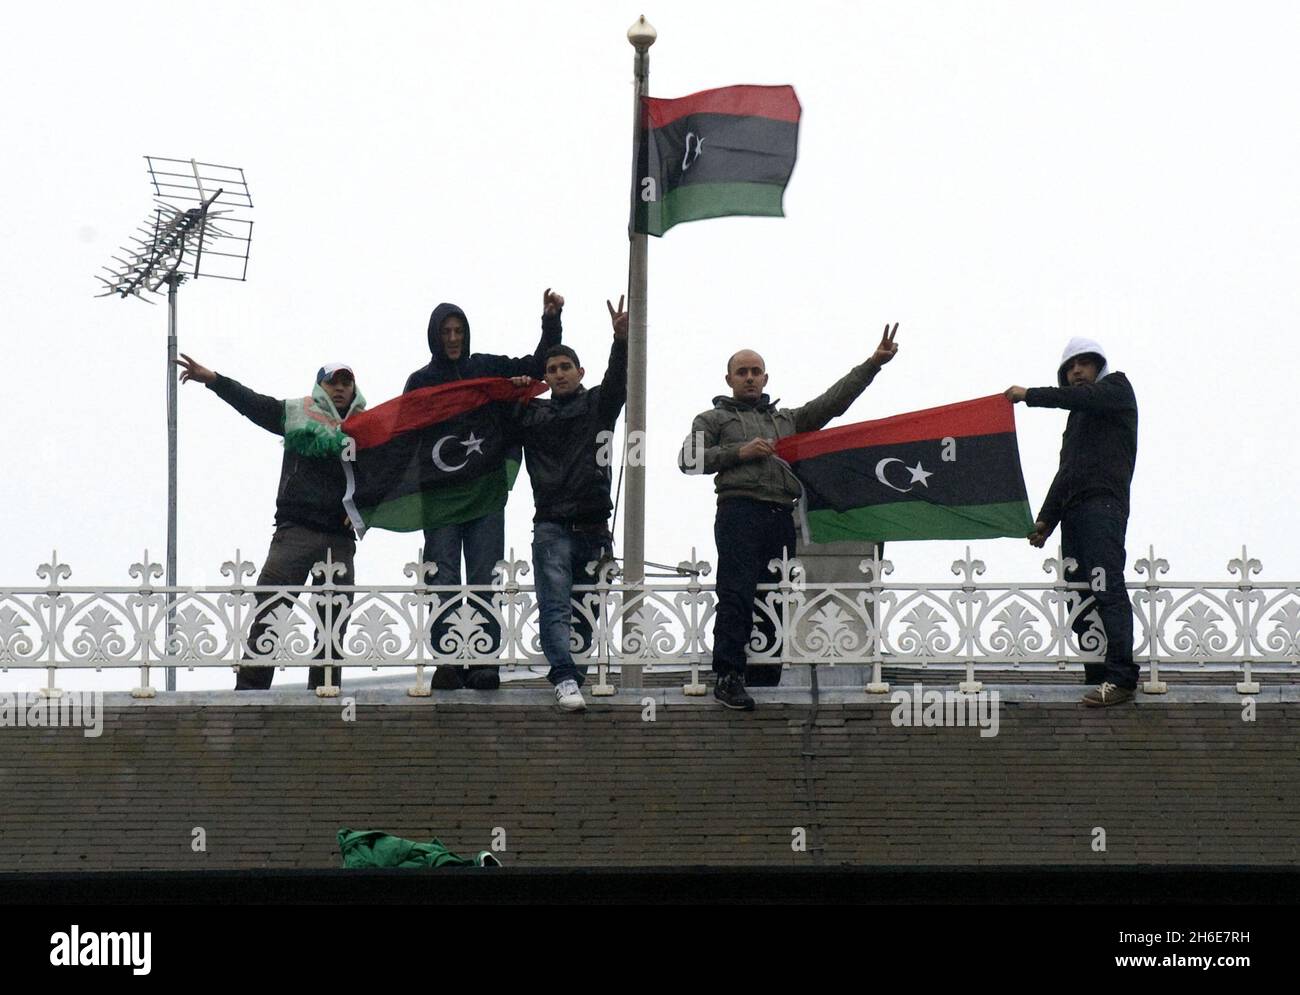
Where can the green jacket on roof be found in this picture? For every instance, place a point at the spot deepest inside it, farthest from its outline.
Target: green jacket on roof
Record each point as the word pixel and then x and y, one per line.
pixel 371 848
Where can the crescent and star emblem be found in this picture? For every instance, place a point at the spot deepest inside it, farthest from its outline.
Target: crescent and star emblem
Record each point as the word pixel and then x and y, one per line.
pixel 918 472
pixel 688 159
pixel 472 445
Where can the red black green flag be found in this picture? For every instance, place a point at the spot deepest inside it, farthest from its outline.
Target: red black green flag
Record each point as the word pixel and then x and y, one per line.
pixel 435 456
pixel 951 472
pixel 714 153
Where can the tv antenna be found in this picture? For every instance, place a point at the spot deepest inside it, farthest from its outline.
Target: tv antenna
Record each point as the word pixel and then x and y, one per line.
pixel 194 230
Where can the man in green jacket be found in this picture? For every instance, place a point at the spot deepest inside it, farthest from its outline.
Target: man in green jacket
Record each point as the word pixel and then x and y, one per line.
pixel 757 493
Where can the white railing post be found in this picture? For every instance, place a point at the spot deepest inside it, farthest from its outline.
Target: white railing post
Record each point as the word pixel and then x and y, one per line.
pixel 602 637
pixel 1245 566
pixel 418 570
pixel 968 568
pixel 694 636
pixel 331 570
pixel 876 568
pixel 1152 566
pixel 53 572
pixel 146 571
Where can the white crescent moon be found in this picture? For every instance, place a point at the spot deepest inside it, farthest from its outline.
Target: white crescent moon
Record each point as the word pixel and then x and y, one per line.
pixel 437 456
pixel 880 473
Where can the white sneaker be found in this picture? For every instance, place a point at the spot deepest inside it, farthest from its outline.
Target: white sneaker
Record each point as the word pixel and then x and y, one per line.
pixel 568 697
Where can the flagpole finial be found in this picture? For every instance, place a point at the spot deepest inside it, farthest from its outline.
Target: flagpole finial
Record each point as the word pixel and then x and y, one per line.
pixel 642 34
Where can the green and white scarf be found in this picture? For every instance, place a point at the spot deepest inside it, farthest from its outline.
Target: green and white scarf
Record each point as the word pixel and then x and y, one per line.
pixel 311 424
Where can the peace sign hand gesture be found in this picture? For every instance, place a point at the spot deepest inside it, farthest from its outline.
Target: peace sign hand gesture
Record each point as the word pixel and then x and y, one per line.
pixel 887 349
pixel 618 319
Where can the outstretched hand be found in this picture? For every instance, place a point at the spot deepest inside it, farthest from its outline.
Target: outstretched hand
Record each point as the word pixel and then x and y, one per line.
pixel 618 318
pixel 551 303
pixel 887 349
pixel 1014 394
pixel 521 381
pixel 190 370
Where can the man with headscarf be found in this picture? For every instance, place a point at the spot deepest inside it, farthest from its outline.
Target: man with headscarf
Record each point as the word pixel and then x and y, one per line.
pixel 482 539
pixel 1089 498
pixel 310 522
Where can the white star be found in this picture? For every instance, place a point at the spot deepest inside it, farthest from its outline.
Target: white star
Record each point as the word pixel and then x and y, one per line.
pixel 473 445
pixel 919 473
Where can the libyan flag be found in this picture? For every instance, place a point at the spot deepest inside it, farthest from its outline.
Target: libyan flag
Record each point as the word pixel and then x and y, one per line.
pixel 436 456
pixel 943 473
pixel 714 153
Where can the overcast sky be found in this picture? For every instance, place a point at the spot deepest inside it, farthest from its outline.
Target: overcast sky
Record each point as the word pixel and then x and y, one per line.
pixel 995 177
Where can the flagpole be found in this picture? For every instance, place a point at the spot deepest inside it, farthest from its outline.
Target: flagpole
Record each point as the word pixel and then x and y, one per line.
pixel 640 36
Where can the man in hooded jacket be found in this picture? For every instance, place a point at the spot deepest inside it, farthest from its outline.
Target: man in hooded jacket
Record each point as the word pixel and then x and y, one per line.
pixel 482 539
pixel 1089 499
pixel 310 522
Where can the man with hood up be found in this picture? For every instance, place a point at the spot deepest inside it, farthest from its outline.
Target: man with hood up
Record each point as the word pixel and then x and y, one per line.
pixel 483 539
pixel 757 493
pixel 309 518
pixel 1089 498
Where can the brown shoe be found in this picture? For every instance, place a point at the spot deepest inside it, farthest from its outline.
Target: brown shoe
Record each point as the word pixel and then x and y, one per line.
pixel 1107 694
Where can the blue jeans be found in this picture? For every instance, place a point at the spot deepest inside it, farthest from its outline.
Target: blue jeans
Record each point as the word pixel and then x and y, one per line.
pixel 560 558
pixel 484 542
pixel 1092 534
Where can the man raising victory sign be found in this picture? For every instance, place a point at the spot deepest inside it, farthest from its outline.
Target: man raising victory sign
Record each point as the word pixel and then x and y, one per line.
pixel 756 497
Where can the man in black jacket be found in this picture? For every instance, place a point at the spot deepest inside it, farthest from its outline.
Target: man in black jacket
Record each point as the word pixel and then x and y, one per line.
pixel 566 443
pixel 1090 499
pixel 483 539
pixel 309 518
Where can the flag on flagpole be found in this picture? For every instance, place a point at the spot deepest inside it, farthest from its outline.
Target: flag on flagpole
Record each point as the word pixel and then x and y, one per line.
pixel 436 456
pixel 715 153
pixel 951 472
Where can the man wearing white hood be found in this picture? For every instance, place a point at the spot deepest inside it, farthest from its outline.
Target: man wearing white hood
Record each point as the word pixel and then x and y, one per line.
pixel 1090 500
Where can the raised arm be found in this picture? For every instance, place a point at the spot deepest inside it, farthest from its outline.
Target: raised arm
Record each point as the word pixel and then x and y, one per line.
pixel 257 408
pixel 845 391
pixel 535 365
pixel 613 389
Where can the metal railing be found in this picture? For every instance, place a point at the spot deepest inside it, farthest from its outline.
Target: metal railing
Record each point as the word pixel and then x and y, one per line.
pixel 1243 626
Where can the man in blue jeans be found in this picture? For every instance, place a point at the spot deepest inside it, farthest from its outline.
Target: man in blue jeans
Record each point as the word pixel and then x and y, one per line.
pixel 565 437
pixel 482 539
pixel 1090 499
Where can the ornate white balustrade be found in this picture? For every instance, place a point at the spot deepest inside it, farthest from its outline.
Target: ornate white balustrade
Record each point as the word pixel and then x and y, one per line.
pixel 1242 625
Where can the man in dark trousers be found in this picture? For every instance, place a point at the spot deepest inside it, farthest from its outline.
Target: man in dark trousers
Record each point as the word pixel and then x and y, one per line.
pixel 566 443
pixel 756 497
pixel 483 539
pixel 1089 498
pixel 309 518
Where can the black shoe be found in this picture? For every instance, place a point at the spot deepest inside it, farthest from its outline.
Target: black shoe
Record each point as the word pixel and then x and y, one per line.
pixel 447 678
pixel 730 690
pixel 483 678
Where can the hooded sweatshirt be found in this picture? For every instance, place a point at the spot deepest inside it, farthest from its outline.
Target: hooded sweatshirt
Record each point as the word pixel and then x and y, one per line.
pixel 312 482
pixel 1099 447
pixel 440 369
